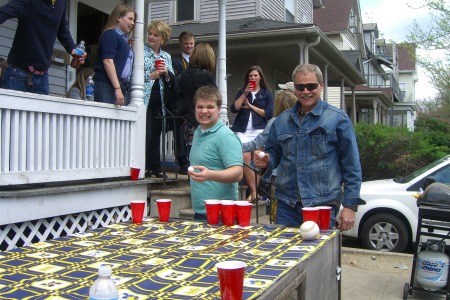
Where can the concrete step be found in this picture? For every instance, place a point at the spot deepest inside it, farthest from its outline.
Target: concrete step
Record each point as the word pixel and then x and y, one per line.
pixel 181 199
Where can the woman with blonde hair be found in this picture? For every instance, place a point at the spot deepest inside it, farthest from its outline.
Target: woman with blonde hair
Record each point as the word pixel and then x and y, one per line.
pixel 115 57
pixel 78 89
pixel 283 101
pixel 159 90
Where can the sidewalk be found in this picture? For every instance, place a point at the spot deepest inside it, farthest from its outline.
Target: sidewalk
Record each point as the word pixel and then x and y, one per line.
pixel 374 275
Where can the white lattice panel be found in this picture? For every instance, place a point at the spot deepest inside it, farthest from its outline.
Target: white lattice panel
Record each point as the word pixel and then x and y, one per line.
pixel 26 233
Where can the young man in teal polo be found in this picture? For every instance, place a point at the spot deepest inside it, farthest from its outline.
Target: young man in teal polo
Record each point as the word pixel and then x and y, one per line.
pixel 216 154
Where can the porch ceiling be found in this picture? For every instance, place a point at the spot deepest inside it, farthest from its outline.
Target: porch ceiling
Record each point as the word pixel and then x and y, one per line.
pixel 278 41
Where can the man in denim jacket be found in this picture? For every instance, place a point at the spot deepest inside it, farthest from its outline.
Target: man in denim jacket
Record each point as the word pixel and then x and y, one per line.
pixel 313 146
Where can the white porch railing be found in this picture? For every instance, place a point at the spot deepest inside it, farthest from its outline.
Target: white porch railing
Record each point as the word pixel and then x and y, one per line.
pixel 51 139
pixel 48 140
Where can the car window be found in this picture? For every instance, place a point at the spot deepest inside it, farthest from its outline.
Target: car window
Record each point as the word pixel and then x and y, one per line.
pixel 443 175
pixel 422 170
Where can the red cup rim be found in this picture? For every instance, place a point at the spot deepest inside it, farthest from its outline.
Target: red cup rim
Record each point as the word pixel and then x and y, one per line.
pixel 211 201
pixel 243 203
pixel 138 201
pixel 310 208
pixel 163 200
pixel 323 207
pixel 231 265
pixel 227 202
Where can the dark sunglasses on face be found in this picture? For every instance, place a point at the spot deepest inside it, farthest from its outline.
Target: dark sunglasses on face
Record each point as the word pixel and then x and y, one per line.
pixel 309 86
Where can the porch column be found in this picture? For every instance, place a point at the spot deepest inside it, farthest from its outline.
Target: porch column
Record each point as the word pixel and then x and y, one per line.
pixel 137 78
pixel 342 95
pixel 137 91
pixel 375 112
pixel 325 82
pixel 222 60
pixel 353 117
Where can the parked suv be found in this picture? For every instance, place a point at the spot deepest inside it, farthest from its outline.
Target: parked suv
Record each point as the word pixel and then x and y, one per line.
pixel 388 221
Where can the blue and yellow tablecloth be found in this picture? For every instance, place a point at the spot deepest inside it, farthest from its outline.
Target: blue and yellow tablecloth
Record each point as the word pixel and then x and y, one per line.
pixel 154 260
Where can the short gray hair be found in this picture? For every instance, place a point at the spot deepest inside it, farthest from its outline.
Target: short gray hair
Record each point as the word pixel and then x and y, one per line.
pixel 308 69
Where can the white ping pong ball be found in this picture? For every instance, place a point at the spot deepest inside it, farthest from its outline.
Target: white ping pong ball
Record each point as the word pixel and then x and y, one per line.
pixel 191 169
pixel 261 154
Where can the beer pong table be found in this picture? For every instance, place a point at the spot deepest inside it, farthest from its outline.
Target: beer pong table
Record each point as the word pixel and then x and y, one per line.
pixel 175 260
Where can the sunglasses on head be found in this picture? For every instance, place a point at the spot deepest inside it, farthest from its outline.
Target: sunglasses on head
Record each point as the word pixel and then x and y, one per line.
pixel 309 86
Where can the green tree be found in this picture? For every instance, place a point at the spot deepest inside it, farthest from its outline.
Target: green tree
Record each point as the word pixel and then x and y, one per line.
pixel 388 152
pixel 435 38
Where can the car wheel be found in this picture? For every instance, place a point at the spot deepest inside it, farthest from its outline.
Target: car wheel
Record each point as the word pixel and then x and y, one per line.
pixel 384 232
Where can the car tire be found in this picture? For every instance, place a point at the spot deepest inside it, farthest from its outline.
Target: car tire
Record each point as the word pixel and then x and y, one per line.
pixel 384 232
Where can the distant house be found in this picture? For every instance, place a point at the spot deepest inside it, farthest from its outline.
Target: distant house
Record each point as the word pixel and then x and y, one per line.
pixel 388 68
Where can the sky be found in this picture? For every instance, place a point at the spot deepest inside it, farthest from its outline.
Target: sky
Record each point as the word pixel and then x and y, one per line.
pixel 394 18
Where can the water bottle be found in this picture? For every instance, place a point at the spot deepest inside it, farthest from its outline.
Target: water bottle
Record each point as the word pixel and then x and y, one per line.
pixel 79 51
pixel 104 287
pixel 89 89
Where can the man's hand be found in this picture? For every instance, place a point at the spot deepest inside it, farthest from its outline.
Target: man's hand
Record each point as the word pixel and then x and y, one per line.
pixel 201 176
pixel 80 58
pixel 346 219
pixel 260 162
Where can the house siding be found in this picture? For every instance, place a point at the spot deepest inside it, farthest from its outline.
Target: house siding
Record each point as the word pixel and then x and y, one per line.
pixel 161 11
pixel 334 96
pixel 305 11
pixel 273 10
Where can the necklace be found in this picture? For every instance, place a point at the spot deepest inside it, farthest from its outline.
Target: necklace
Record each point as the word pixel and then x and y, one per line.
pixel 53 3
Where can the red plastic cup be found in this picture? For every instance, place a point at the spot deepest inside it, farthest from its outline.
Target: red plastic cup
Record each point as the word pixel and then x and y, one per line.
pixel 324 217
pixel 212 211
pixel 310 214
pixel 134 173
pixel 137 211
pixel 228 209
pixel 231 279
pixel 159 63
pixel 243 213
pixel 163 209
pixel 253 84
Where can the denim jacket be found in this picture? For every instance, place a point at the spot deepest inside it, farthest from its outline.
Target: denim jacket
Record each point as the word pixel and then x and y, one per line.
pixel 318 155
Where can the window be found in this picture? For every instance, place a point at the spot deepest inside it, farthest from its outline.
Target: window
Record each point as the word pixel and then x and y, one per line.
pixel 289 6
pixel 402 87
pixel 185 10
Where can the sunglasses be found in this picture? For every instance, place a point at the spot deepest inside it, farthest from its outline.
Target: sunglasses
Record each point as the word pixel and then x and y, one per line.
pixel 309 86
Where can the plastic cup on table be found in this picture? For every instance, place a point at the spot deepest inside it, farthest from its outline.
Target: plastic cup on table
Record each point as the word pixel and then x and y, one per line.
pixel 324 217
pixel 243 213
pixel 137 211
pixel 134 173
pixel 231 279
pixel 212 211
pixel 310 214
pixel 163 209
pixel 228 212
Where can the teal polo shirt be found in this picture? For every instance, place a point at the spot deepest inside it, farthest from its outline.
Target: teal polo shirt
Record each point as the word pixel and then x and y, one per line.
pixel 217 148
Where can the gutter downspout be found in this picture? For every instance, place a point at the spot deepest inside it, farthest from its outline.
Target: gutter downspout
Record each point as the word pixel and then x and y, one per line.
pixel 309 45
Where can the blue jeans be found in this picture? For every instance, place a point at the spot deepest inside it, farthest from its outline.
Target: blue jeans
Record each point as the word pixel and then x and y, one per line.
pixel 292 217
pixel 105 92
pixel 16 79
pixel 200 216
